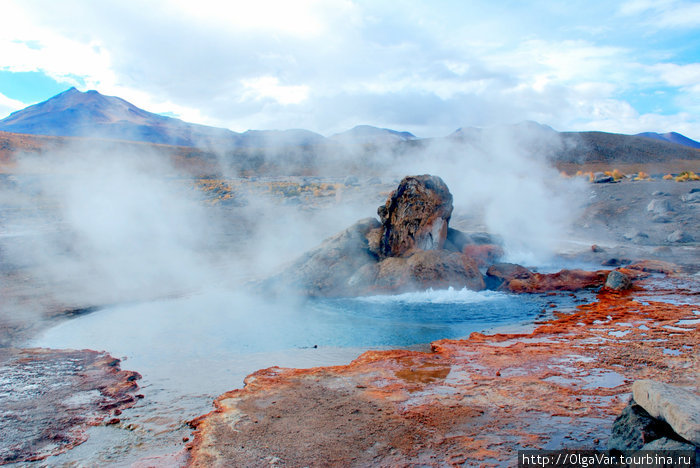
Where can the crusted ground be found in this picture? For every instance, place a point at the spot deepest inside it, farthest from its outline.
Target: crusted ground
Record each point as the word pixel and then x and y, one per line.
pixel 49 397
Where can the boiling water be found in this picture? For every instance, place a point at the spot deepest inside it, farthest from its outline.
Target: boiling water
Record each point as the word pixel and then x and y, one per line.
pixel 191 349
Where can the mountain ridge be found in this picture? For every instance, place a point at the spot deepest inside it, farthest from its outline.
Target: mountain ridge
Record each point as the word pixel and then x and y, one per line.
pixel 90 114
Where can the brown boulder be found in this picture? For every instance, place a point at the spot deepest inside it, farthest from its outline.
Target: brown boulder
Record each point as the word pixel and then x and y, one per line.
pixel 564 280
pixel 498 276
pixel 415 216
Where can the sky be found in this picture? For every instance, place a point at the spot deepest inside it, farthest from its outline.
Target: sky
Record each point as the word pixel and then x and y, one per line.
pixel 428 67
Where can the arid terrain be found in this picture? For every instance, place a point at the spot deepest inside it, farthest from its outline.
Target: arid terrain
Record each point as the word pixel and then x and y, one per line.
pixel 559 382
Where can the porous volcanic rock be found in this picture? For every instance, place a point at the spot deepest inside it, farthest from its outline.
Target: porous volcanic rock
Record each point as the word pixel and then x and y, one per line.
pixel 617 281
pixel 415 216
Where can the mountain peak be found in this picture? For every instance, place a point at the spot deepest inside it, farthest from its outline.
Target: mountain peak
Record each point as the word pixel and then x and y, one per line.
pixel 91 114
pixel 672 137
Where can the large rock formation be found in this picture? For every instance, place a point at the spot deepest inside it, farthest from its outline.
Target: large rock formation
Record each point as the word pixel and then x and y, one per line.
pixel 406 251
pixel 415 216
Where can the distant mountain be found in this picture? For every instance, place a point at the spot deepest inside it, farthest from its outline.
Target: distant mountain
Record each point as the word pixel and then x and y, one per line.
pixel 91 114
pixel 587 147
pixel 672 137
pixel 367 134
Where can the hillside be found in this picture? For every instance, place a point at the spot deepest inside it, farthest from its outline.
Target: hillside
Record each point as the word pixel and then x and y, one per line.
pixel 74 117
pixel 601 147
pixel 671 137
pixel 91 114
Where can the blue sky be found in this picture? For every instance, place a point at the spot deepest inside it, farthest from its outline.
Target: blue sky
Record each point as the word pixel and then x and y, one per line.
pixel 424 67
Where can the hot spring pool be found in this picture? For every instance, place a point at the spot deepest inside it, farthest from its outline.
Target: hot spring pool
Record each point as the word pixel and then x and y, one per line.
pixel 191 349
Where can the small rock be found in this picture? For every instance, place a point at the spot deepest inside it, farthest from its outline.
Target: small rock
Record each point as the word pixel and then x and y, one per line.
pixel 618 281
pixel 351 180
pixel 616 262
pixel 695 190
pixel 633 234
pixel 678 407
pixel 659 206
pixel 596 248
pixel 601 178
pixel 501 273
pixel 679 237
pixel 659 193
pixel 693 197
pixel 661 219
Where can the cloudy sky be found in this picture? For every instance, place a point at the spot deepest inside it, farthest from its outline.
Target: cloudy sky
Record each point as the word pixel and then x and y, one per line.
pixel 428 67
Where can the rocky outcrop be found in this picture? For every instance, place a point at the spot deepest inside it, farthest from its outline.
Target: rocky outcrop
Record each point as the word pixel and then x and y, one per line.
pixel 659 416
pixel 413 248
pixel 516 278
pixel 415 216
pixel 676 406
pixel 405 252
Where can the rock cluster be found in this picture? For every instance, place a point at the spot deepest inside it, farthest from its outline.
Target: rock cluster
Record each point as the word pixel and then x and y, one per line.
pixel 413 248
pixel 658 417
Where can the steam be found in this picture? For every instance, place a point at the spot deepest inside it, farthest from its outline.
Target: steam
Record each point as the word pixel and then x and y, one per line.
pixel 101 224
pixel 506 176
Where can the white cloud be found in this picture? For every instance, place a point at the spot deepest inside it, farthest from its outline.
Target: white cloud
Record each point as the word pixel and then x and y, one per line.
pixel 8 105
pixel 664 13
pixel 269 87
pixel 323 65
pixel 685 76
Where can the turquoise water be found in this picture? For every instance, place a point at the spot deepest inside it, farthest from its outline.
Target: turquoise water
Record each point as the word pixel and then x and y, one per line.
pixel 190 342
pixel 191 349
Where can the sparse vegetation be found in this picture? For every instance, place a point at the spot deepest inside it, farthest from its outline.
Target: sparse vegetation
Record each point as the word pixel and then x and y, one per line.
pixel 615 174
pixel 641 175
pixel 685 176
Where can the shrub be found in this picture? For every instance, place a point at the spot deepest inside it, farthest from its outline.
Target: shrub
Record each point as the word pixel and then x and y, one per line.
pixel 686 176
